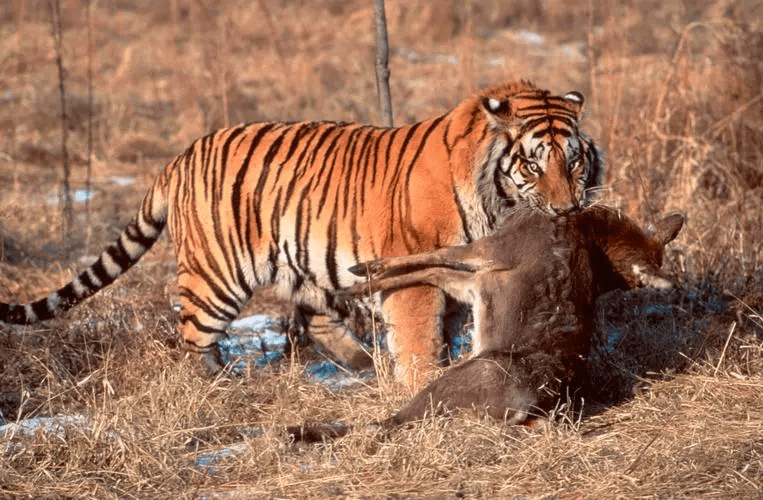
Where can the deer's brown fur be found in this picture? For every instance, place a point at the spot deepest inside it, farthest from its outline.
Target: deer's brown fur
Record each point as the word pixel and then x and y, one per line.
pixel 532 286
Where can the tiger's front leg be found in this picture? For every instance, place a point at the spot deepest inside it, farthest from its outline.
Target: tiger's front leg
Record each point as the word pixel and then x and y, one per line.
pixel 336 337
pixel 414 320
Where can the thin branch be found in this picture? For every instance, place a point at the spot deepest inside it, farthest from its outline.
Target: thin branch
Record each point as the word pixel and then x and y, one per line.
pixel 725 346
pixel 592 59
pixel 89 118
pixel 55 9
pixel 382 69
pixel 274 38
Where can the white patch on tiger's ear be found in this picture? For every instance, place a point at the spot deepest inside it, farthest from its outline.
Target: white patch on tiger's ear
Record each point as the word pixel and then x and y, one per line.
pixel 576 98
pixel 495 108
pixel 498 114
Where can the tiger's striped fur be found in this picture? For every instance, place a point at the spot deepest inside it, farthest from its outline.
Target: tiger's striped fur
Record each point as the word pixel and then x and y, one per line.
pixel 297 204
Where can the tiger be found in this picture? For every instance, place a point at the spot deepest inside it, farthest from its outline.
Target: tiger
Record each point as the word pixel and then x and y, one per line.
pixel 295 204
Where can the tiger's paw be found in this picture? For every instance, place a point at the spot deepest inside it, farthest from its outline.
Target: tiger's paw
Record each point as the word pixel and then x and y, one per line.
pixel 211 362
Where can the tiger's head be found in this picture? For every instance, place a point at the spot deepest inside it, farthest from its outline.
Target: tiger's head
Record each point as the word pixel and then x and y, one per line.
pixel 536 151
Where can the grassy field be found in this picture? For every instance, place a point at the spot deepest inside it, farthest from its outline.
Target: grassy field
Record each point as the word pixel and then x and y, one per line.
pixel 674 94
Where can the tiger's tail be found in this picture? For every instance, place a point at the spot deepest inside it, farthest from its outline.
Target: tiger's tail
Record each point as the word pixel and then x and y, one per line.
pixel 134 241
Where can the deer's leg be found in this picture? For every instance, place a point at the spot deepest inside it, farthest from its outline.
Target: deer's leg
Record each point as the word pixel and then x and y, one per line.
pixel 460 285
pixel 491 384
pixel 462 258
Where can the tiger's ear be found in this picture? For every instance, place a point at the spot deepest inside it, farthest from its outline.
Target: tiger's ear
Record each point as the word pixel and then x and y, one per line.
pixel 499 114
pixel 497 109
pixel 576 101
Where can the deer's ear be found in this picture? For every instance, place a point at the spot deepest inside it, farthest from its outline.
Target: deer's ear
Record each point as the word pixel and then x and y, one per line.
pixel 667 229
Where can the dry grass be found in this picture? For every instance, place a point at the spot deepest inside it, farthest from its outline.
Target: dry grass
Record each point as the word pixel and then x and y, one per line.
pixel 674 408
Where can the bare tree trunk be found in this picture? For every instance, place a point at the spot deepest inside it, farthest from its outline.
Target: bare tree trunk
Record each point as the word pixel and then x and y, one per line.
pixel 382 69
pixel 55 8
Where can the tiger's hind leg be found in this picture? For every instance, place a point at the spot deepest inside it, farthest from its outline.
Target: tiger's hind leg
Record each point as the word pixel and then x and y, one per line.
pixel 206 312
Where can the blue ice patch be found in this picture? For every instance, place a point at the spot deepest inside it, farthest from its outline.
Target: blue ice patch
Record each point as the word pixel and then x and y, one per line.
pixel 461 345
pixel 52 425
pixel 207 460
pixel 257 339
pixel 76 196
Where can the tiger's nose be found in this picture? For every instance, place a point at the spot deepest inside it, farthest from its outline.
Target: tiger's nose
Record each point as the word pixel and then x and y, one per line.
pixel 565 210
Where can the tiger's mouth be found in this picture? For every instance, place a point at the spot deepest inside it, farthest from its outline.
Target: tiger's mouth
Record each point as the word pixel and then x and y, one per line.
pixel 547 207
pixel 564 211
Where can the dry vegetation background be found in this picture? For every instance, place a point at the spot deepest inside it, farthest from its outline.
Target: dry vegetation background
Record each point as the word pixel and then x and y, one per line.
pixel 673 96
